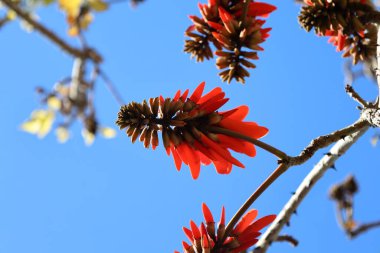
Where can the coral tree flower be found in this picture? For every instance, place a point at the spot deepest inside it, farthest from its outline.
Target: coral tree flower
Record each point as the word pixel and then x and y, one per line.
pixel 231 28
pixel 206 237
pixel 345 23
pixel 189 126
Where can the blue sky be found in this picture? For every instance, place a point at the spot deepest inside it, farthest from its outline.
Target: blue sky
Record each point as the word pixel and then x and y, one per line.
pixel 116 196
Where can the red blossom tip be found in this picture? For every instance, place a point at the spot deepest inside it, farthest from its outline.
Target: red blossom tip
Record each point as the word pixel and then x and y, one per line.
pixel 262 222
pixel 260 9
pixel 223 217
pixel 195 230
pixel 188 233
pixel 207 213
pixel 198 92
pixel 247 219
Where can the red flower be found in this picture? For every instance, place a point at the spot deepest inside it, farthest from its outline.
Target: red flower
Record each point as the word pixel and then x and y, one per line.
pixel 206 237
pixel 193 131
pixel 231 32
pixel 209 147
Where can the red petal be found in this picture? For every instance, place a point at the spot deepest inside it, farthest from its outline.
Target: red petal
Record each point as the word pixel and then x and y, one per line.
pixel 215 25
pixel 220 151
pixel 177 159
pixel 204 159
pixel 190 28
pixel 207 213
pixel 184 95
pixel 245 221
pixel 186 246
pixel 260 9
pixel 223 217
pixel 188 233
pixel 205 242
pixel 181 150
pixel 177 95
pixel 247 236
pixel 212 107
pixel 194 161
pixel 262 222
pixel 203 229
pixel 239 113
pixel 224 15
pixel 209 95
pixel 198 92
pixel 250 129
pixel 195 230
pixel 237 145
pixel 212 2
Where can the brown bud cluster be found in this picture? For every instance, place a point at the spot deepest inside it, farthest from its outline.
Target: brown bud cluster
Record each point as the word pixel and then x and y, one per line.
pixel 347 22
pixel 177 119
pixel 199 43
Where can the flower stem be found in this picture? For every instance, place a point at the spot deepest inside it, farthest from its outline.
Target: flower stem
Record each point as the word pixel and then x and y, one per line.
pixel 278 172
pixel 280 154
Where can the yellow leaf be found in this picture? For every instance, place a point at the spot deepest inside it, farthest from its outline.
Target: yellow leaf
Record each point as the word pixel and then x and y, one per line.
pixel 62 134
pixel 84 22
pixel 54 103
pixel 107 132
pixel 88 137
pixel 73 31
pixel 39 123
pixel 71 7
pixel 31 126
pixel 98 5
pixel 11 15
pixel 46 124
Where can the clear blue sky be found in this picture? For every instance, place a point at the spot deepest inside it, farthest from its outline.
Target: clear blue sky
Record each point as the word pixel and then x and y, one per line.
pixel 119 197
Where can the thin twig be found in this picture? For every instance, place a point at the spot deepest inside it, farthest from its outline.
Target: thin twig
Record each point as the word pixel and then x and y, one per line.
pixel 364 228
pixel 111 87
pixel 355 96
pixel 288 238
pixel 304 188
pixel 3 21
pixel 88 53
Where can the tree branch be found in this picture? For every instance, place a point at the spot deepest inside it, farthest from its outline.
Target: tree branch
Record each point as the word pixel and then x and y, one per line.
pixel 86 53
pixel 304 188
pixel 325 140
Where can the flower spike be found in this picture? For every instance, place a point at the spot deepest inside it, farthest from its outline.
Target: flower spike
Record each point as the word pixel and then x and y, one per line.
pixel 189 126
pixel 235 29
pixel 244 235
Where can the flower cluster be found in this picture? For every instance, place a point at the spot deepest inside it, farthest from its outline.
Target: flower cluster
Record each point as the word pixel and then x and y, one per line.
pixel 70 102
pixel 207 238
pixel 346 22
pixel 235 29
pixel 193 131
